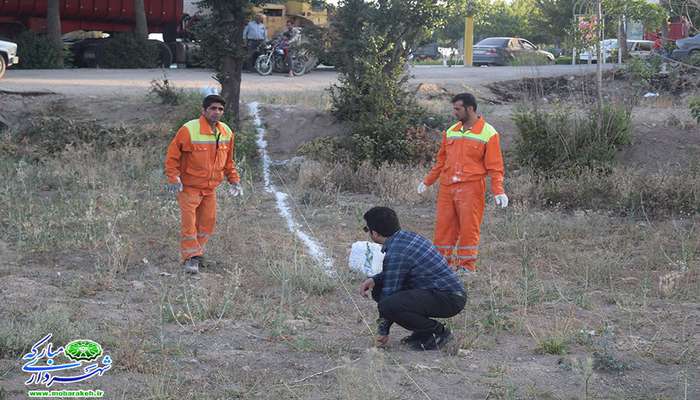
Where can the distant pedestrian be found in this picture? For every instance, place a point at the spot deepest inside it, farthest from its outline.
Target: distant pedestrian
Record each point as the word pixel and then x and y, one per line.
pixel 291 38
pixel 254 34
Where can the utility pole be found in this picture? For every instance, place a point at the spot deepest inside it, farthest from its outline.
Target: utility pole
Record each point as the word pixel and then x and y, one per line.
pixel 469 36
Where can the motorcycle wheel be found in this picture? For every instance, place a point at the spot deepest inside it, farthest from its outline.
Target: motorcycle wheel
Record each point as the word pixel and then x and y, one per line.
pixel 299 66
pixel 263 65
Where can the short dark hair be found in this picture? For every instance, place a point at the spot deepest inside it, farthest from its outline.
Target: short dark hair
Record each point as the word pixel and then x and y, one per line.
pixel 211 99
pixel 382 220
pixel 467 100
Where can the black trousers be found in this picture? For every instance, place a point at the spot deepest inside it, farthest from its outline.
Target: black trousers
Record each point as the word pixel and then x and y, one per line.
pixel 252 47
pixel 414 308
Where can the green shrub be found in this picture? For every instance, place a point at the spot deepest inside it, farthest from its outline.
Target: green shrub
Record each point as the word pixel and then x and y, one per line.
pixel 245 143
pixel 624 191
pixel 328 149
pixel 560 140
pixel 564 60
pixel 553 345
pixel 644 69
pixel 35 51
pixel 126 50
pixel 371 97
pixel 694 105
pixel 167 93
pixel 529 59
pixel 695 59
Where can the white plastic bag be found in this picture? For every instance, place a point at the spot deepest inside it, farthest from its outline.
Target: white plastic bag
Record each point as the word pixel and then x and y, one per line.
pixel 207 90
pixel 366 257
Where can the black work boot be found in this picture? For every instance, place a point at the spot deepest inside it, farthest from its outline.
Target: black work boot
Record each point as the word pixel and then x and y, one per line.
pixel 435 341
pixel 412 338
pixel 206 262
pixel 192 265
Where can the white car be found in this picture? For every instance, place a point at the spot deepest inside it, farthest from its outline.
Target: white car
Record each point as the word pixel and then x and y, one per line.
pixel 636 48
pixel 8 56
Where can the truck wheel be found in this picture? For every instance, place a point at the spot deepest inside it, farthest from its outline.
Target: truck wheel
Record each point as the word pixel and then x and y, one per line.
pixel 3 66
pixel 263 65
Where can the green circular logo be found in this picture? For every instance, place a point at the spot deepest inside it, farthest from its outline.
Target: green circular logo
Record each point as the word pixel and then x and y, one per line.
pixel 83 350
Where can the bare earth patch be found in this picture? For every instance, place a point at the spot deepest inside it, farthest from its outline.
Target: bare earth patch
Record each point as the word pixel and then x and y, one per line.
pixel 564 306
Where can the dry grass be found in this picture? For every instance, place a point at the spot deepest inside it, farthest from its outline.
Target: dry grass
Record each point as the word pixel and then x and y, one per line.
pixel 607 289
pixel 317 99
pixel 391 183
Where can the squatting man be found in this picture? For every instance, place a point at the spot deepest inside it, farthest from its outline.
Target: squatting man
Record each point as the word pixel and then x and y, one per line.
pixel 415 285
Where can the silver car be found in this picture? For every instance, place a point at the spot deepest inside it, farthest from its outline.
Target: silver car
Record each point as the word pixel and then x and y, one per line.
pixel 8 56
pixel 687 47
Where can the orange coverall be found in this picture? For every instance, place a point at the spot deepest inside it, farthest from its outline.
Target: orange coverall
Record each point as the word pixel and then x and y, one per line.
pixel 464 160
pixel 200 158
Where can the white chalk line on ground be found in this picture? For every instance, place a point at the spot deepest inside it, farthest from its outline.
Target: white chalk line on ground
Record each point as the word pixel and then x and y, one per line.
pixel 314 248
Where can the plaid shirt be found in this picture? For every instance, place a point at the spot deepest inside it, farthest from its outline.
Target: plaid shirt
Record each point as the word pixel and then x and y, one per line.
pixel 412 262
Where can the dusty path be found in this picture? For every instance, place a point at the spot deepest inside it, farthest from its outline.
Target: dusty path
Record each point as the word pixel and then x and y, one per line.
pixel 105 82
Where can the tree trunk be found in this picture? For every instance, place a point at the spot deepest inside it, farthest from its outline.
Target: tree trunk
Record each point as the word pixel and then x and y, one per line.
pixel 664 26
pixel 53 27
pixel 230 79
pixel 141 26
pixel 622 38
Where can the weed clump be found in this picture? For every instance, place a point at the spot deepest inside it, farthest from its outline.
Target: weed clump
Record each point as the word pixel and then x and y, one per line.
pixel 48 136
pixel 166 92
pixel 561 140
pixel 694 105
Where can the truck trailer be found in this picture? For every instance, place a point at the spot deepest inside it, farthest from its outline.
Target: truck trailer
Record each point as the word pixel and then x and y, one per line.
pixel 83 23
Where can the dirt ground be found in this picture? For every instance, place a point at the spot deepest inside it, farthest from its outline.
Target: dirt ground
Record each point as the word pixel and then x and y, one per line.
pixel 263 323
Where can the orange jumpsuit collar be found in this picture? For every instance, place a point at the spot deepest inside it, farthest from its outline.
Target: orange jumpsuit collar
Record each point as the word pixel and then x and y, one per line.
pixel 476 128
pixel 205 128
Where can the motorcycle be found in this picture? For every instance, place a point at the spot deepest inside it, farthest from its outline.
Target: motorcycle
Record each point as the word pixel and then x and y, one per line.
pixel 273 59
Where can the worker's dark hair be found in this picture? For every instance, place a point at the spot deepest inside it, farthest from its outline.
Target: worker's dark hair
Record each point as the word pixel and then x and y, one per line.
pixel 382 220
pixel 211 99
pixel 467 100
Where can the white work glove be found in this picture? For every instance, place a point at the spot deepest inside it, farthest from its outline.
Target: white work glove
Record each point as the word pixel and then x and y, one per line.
pixel 235 190
pixel 422 188
pixel 502 200
pixel 174 187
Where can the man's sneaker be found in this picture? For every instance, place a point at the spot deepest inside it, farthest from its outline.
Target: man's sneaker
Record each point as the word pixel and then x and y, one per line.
pixel 192 265
pixel 434 341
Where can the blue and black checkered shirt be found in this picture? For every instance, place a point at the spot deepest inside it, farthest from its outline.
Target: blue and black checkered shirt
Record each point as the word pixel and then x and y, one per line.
pixel 412 262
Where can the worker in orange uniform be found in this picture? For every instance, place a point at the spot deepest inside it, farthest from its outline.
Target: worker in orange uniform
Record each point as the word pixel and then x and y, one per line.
pixel 198 159
pixel 470 151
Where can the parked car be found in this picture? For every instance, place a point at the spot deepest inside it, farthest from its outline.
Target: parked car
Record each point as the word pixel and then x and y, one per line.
pixel 506 50
pixel 687 48
pixel 8 56
pixel 428 51
pixel 636 48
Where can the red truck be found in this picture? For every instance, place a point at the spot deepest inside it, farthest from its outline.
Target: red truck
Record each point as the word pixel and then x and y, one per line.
pixel 108 16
